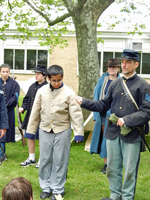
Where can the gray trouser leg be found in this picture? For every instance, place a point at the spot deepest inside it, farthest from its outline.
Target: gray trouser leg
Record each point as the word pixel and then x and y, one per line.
pixel 131 155
pixel 114 168
pixel 54 158
pixel 121 154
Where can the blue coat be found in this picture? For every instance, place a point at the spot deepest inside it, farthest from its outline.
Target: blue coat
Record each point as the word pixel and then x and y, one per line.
pixel 11 93
pixel 98 146
pixel 3 112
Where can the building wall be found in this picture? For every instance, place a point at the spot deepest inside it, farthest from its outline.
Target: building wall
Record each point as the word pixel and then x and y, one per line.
pixel 114 42
pixel 67 59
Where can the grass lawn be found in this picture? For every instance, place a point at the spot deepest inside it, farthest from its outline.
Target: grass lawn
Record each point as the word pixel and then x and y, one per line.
pixel 84 180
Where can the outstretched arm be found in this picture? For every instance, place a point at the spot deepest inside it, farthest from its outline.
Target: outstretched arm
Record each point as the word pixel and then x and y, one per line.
pixel 98 106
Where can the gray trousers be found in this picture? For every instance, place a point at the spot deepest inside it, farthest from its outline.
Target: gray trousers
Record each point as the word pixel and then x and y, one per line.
pixel 119 155
pixel 54 159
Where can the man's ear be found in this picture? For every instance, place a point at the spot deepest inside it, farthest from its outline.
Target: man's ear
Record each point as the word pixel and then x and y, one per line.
pixel 136 65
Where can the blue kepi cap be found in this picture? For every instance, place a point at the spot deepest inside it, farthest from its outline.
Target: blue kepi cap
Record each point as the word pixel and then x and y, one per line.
pixel 129 54
pixel 42 69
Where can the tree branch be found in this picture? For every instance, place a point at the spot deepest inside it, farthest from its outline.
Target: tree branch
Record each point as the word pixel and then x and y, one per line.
pixel 50 22
pixel 81 3
pixel 103 5
pixel 70 6
pixel 9 4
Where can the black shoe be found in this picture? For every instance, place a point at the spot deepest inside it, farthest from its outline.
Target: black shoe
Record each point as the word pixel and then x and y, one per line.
pixel 4 157
pixel 45 195
pixel 104 169
pixel 28 162
pixel 1 160
pixel 53 196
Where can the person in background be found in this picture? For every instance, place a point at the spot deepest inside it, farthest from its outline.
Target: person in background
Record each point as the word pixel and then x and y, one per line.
pixel 3 118
pixel 18 189
pixel 11 91
pixel 40 76
pixel 98 142
pixel 55 108
pixel 124 150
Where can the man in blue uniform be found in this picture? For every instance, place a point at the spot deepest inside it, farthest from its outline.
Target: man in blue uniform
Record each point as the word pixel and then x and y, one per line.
pixel 3 118
pixel 11 91
pixel 124 151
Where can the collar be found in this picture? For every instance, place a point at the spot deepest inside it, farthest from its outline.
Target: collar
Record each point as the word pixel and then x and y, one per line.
pixel 52 88
pixel 45 82
pixel 130 77
pixel 6 80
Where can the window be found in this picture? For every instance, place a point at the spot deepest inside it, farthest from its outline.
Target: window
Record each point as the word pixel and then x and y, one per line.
pixel 118 55
pixel 42 57
pixel 8 57
pixel 20 59
pixel 99 59
pixel 107 56
pixel 31 59
pixel 146 63
pixel 15 58
pixel 138 68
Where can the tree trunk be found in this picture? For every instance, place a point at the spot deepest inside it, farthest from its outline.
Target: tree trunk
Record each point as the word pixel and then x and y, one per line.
pixel 87 55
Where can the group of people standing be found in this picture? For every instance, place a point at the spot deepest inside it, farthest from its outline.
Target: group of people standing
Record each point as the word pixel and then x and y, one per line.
pixel 51 108
pixel 11 89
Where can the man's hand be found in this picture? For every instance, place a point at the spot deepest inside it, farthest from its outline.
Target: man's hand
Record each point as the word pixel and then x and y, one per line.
pixel 120 122
pixel 2 132
pixel 20 109
pixel 78 99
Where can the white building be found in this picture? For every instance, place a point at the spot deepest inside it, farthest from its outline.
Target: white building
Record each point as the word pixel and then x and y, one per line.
pixel 23 57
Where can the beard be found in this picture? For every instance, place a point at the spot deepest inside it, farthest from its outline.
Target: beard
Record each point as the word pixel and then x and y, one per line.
pixel 129 72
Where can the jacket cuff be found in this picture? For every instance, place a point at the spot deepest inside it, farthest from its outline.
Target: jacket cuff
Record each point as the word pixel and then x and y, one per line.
pixel 79 138
pixel 83 101
pixel 94 116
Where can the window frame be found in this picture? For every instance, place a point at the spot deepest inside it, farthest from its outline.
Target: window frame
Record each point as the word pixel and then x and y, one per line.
pixel 114 53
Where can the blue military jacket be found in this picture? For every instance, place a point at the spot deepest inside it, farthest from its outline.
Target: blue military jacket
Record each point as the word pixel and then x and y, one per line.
pixel 116 100
pixel 3 112
pixel 11 93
